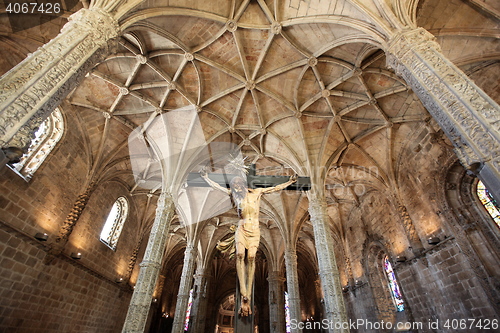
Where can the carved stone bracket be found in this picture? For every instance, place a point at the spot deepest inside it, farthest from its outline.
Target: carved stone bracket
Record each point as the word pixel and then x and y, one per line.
pixel 31 90
pixel 140 303
pixel 469 117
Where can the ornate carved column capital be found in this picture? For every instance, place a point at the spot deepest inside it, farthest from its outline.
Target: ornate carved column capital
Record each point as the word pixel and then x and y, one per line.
pixel 96 21
pixel 317 207
pixel 406 40
pixel 275 277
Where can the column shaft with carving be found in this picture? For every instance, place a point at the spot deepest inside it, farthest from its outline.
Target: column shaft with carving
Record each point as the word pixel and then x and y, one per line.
pixel 133 259
pixel 328 271
pixel 292 283
pixel 30 91
pixel 411 232
pixel 199 309
pixel 469 117
pixel 276 302
pixel 69 223
pixel 140 303
pixel 184 289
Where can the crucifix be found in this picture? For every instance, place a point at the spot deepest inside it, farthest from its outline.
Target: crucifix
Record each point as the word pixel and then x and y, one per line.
pixel 246 196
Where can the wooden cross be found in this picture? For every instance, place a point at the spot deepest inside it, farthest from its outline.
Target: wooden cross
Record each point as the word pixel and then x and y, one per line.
pixel 253 180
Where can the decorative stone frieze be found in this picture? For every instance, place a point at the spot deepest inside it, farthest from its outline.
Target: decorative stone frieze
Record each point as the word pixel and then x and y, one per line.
pixel 140 303
pixel 31 90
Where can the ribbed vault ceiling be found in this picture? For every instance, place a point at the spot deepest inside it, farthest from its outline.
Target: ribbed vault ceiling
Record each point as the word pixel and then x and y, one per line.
pixel 291 93
pixel 303 91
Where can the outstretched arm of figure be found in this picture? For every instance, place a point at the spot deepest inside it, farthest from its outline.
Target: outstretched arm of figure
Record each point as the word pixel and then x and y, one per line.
pixel 279 187
pixel 212 183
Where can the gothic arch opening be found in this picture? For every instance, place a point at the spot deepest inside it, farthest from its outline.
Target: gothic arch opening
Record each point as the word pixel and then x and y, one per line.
pixel 385 307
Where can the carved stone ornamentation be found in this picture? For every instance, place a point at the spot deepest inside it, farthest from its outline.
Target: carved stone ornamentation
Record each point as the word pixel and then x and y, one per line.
pixel 31 90
pixel 469 117
pixel 276 301
pixel 292 283
pixel 410 230
pixel 184 288
pixel 69 224
pixel 335 310
pixel 140 303
pixel 133 259
pixel 200 302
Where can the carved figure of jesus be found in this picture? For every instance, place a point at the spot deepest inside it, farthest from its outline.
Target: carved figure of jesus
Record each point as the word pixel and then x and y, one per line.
pixel 247 235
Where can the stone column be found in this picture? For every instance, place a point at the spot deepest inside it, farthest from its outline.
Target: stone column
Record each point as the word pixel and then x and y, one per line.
pixel 292 284
pixel 30 91
pixel 199 309
pixel 469 117
pixel 276 302
pixel 335 311
pixel 184 289
pixel 140 303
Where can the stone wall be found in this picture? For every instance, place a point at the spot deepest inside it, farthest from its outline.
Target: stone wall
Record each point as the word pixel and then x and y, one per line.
pixel 442 286
pixel 62 297
pixel 441 282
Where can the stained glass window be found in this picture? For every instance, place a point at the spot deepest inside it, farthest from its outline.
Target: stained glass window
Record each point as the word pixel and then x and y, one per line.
pixel 114 223
pixel 188 311
pixel 287 314
pixel 393 285
pixel 44 140
pixel 488 202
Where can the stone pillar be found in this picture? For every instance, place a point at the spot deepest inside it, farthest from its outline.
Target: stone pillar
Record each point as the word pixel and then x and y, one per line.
pixel 335 311
pixel 140 303
pixel 276 302
pixel 469 117
pixel 184 289
pixel 199 309
pixel 292 284
pixel 30 91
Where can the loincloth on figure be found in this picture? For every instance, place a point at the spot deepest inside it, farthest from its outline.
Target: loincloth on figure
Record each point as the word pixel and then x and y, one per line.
pixel 247 234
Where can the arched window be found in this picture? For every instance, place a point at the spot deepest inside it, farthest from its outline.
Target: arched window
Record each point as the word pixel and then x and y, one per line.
pixel 393 285
pixel 488 202
pixel 114 223
pixel 46 138
pixel 387 294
